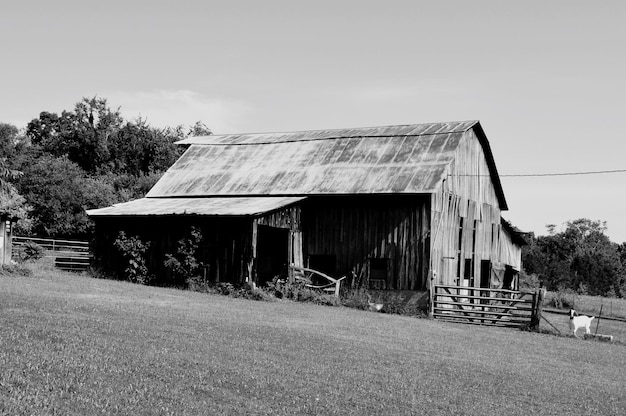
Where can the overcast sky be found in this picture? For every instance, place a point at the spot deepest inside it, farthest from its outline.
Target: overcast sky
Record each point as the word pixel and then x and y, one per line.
pixel 547 79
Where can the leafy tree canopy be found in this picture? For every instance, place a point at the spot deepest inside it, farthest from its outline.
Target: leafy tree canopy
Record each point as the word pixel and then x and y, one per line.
pixel 100 141
pixel 581 258
pixel 86 157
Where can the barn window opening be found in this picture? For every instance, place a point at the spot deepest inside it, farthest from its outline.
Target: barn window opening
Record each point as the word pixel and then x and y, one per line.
pixel 378 273
pixel 509 281
pixel 468 271
pixel 485 278
pixel 485 273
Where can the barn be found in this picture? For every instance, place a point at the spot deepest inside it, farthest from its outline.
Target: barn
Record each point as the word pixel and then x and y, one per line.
pixel 396 208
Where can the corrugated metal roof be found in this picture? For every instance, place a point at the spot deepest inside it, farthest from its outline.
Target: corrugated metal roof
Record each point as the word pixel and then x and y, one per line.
pixel 195 206
pixel 392 159
pixel 307 135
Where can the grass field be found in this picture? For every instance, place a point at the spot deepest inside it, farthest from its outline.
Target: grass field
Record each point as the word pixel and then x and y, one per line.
pixel 75 345
pixel 591 305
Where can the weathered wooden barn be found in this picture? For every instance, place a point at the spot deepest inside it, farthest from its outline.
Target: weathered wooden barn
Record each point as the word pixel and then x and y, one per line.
pixel 395 208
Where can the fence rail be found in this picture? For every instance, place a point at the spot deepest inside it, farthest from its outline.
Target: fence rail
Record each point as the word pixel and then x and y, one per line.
pixel 72 255
pixel 484 306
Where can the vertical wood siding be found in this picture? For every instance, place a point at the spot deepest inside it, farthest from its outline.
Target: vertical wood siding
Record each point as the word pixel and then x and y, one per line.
pixel 466 220
pixel 356 229
pixel 285 218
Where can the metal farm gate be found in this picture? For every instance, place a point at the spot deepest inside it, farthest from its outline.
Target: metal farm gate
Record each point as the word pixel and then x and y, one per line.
pixel 69 255
pixel 483 306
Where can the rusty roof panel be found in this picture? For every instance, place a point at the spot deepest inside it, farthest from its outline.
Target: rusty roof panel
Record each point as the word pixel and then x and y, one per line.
pixel 402 159
pixel 234 206
pixel 400 130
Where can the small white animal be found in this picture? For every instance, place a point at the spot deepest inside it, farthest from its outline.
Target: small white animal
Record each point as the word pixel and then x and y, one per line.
pixel 375 307
pixel 579 321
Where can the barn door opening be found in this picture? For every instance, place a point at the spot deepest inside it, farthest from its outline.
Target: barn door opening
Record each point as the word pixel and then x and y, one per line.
pixel 485 273
pixel 272 253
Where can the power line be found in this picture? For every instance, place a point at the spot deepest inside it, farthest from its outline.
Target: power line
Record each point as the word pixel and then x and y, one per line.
pixel 594 172
pixel 529 175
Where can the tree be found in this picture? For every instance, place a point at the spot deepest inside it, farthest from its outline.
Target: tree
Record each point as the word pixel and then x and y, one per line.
pixel 581 258
pixel 12 204
pixel 59 192
pixel 81 135
pixel 12 141
pixel 88 157
pixel 138 149
pixel 199 129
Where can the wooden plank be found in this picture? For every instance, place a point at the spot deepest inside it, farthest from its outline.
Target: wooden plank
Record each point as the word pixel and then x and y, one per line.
pixel 474 305
pixel 522 301
pixel 486 290
pixel 483 320
pixel 480 322
pixel 476 313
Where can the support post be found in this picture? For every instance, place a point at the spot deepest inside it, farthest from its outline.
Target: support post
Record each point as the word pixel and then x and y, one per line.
pixel 431 312
pixel 540 295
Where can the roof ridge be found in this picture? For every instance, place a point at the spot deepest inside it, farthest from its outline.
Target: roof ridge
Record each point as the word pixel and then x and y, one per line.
pixel 338 133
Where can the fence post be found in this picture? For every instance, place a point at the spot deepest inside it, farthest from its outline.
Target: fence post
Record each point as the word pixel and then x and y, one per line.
pixel 538 309
pixel 433 290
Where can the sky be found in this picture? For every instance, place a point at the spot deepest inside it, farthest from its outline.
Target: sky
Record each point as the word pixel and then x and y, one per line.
pixel 546 79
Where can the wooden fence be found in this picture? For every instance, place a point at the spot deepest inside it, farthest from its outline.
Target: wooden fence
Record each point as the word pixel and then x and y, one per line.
pixel 72 255
pixel 496 307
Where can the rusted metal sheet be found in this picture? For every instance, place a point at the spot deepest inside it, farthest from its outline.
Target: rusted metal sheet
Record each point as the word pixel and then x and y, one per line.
pixel 195 206
pixel 386 131
pixel 409 159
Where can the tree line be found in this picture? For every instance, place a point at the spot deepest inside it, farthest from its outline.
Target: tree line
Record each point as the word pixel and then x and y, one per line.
pixel 89 157
pixel 581 259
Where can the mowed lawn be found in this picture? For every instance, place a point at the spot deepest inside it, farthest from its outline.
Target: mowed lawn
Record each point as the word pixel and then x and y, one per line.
pixel 71 344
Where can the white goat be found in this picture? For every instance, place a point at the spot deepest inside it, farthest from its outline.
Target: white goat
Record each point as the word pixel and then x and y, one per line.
pixel 579 321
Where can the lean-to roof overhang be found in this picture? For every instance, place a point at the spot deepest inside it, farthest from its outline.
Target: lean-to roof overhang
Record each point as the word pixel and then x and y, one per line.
pixel 227 206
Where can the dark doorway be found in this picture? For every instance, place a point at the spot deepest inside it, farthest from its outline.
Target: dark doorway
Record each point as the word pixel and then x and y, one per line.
pixel 272 253
pixel 485 273
pixel 378 273
pixel 325 263
pixel 509 278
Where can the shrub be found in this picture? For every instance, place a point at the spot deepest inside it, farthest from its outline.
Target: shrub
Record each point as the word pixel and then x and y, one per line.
pixel 564 299
pixel 15 270
pixel 198 284
pixel 246 291
pixel 528 282
pixel 30 251
pixel 184 263
pixel 355 298
pixel 298 291
pixel 133 250
pixel 394 303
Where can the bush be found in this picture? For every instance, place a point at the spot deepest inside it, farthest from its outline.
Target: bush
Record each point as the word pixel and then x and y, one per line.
pixel 298 291
pixel 246 291
pixel 356 298
pixel 563 299
pixel 184 264
pixel 528 282
pixel 133 250
pixel 15 270
pixel 198 284
pixel 30 251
